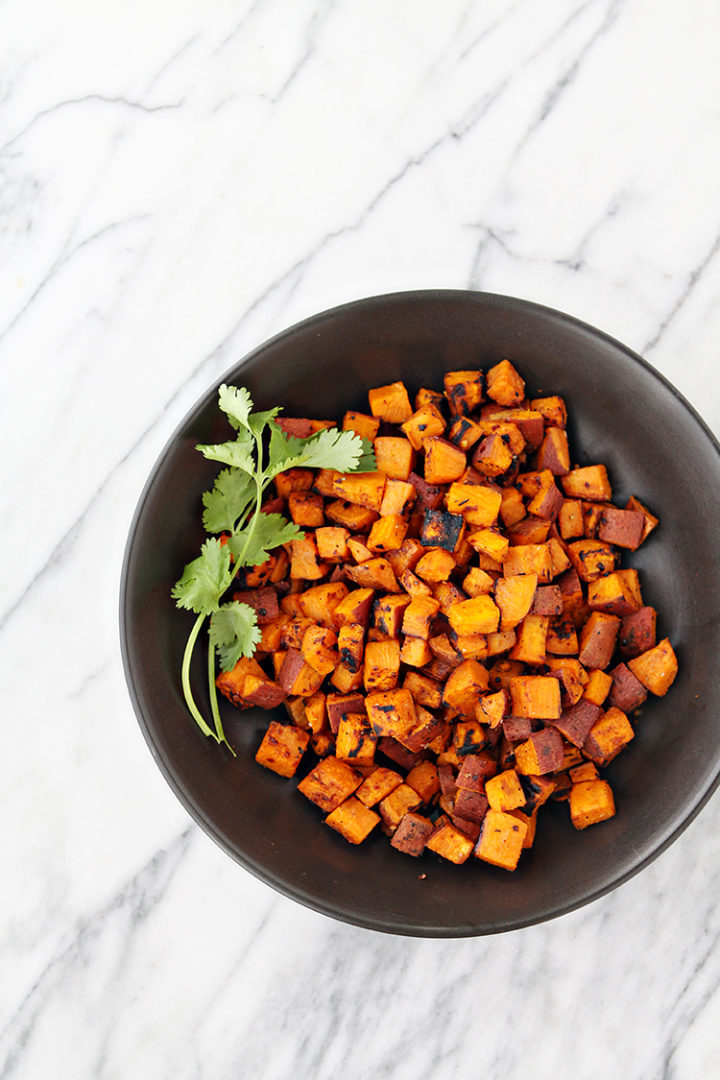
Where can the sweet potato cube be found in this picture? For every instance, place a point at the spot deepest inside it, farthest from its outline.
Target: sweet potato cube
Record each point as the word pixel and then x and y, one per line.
pixel 436 565
pixel 293 631
pixel 330 783
pixel 391 712
pixel 591 558
pixel 304 560
pixel 586 771
pixel 547 601
pixel 562 639
pixel 554 453
pixel 572 675
pixel 463 390
pixel 425 422
pixel 490 542
pixel 478 615
pixel 626 691
pixel 570 520
pixel 529 559
pixel 401 800
pixel 398 498
pixel 358 551
pixel 504 384
pixel 378 785
pixel 590 482
pixel 423 779
pixel 350 516
pixel 575 722
pixel 450 843
pixel 514 595
pixel 637 632
pixel 443 461
pixel 427 730
pixel 390 403
pixel 535 696
pixel 394 456
pixel 331 543
pixel 530 822
pixel 530 643
pixel 345 680
pixel 547 502
pixel 598 686
pixel 318 649
pixel 363 425
pixel 624 528
pixel 464 685
pixel 376 573
pixel 353 820
pixel 504 791
pixel 387 533
pixel 478 582
pixel 350 645
pixel 553 410
pixel 354 608
pixel 320 602
pixel 412 834
pixel 282 748
pixel 381 664
pixel 509 433
pixel 297 677
pixel 656 669
pixel 501 839
pixel 425 690
pixel 441 529
pixel 293 480
pixel 651 521
pixel 491 708
pixel 479 505
pixel 464 432
pixel 612 593
pixel 610 734
pixel 315 709
pixel 412 584
pixel 492 456
pixel 415 652
pixel 591 801
pixel 364 489
pixel 306 509
pixel 389 613
pixel 512 507
pixel 597 639
pixel 248 677
pixel 354 742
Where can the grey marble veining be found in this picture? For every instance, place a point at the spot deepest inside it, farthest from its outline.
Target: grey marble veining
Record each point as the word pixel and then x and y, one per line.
pixel 177 183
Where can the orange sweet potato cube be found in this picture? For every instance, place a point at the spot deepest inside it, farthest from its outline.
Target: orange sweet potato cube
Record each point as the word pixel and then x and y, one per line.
pixel 478 582
pixel 570 520
pixel 350 516
pixel 514 595
pixel 598 686
pixel 436 565
pixel 610 734
pixel 345 679
pixel 492 457
pixel 491 708
pixel 424 423
pixel 464 685
pixel 353 820
pixel 319 649
pixel 490 542
pixel 305 562
pixel 504 791
pixel 390 403
pixel 376 573
pixel 381 664
pixel 412 584
pixel 512 507
pixel 554 453
pixel 354 742
pixel 331 543
pixel 398 498
pixel 282 748
pixel 387 533
pixel 535 696
pixel 418 616
pixel 378 784
pixel 591 801
pixel 293 480
pixel 590 482
pixel 354 608
pixel 364 489
pixel 399 802
pixel 463 390
pixel 443 461
pixel 415 652
pixel 529 559
pixel 450 843
pixel 553 410
pixel 479 505
pixel 423 779
pixel 656 668
pixel 389 613
pixel 394 456
pixel 591 558
pixel 330 783
pixel 363 425
pixel 530 641
pixel 391 712
pixel 501 839
pixel 504 384
pixel 478 615
pixel 306 509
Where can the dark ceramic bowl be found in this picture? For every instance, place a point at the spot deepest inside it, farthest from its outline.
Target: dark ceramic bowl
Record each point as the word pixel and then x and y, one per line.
pixel 623 414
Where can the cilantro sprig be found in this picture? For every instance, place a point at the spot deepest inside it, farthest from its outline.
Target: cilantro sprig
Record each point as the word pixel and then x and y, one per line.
pixel 247 536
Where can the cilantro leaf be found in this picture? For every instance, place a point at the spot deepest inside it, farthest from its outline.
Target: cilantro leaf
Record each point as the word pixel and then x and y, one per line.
pixel 236 403
pixel 259 420
pixel 205 579
pixel 234 632
pixel 228 500
pixel 265 532
pixel 329 448
pixel 238 453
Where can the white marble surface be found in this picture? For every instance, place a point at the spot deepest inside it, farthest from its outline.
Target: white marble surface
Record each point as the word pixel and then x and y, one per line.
pixel 179 181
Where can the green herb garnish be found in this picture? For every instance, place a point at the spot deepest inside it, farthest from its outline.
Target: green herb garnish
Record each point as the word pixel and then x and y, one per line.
pixel 253 459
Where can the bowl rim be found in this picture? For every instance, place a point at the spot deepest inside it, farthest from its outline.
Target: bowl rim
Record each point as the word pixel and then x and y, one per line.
pixel 174 780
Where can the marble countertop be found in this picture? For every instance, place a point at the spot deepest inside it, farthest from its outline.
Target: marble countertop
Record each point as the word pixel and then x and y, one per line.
pixel 178 182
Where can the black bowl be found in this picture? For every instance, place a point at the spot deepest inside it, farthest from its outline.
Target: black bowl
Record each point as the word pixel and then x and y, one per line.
pixel 623 414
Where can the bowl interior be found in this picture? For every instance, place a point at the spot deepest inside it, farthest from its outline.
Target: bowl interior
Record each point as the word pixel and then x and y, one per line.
pixel 622 414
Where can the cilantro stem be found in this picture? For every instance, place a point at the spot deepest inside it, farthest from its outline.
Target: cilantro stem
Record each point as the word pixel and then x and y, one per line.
pixel 214 699
pixel 189 699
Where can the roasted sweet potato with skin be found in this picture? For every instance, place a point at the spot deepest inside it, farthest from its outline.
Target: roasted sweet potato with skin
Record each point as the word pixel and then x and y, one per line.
pixel 412 834
pixel 656 669
pixel 626 692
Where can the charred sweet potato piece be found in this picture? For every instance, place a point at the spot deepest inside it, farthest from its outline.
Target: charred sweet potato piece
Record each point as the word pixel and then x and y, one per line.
pixel 364 489
pixel 637 632
pixel 425 422
pixel 297 677
pixel 610 734
pixel 376 573
pixel 464 391
pixel 282 748
pixel 391 712
pixel 354 741
pixel 381 665
pixel 591 558
pixel 504 384
pixel 412 834
pixel 540 754
pixel 306 509
pixel 354 608
pixel 330 783
pixel 441 529
pixel 492 456
pixel 247 684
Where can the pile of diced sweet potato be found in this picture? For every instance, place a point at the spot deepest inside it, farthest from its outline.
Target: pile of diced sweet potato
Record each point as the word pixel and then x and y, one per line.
pixel 454 639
